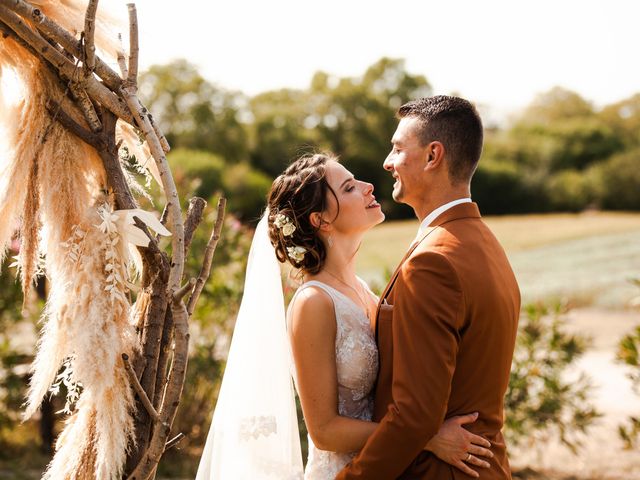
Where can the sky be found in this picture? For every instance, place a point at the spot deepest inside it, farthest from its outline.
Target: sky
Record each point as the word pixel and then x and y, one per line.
pixel 497 53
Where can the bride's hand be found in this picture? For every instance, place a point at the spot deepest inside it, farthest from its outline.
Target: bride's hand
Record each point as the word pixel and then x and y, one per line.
pixel 459 447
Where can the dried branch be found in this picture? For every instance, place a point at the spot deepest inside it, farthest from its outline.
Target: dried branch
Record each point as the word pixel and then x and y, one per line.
pixel 70 123
pixel 64 38
pixel 165 346
pixel 97 91
pixel 163 220
pixel 140 114
pixel 89 37
pixel 109 156
pixel 186 288
pixel 172 396
pixel 122 62
pixel 85 104
pixel 163 140
pixel 195 213
pixel 174 441
pixel 208 256
pixel 153 243
pixel 138 388
pixel 8 33
pixel 132 77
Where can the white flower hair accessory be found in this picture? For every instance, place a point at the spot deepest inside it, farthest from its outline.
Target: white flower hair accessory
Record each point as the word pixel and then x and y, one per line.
pixel 285 224
pixel 296 253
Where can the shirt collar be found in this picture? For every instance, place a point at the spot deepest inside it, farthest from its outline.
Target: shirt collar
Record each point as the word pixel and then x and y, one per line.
pixel 437 212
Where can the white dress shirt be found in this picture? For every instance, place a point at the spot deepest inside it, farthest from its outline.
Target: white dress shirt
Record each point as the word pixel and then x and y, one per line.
pixel 436 213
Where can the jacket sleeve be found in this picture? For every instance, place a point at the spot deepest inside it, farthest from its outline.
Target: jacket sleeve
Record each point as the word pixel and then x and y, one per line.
pixel 427 316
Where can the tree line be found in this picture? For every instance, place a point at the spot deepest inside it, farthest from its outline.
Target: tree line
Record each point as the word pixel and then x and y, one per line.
pixel 559 154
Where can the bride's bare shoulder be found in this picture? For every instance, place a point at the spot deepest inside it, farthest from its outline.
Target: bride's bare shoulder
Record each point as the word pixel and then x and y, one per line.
pixel 311 308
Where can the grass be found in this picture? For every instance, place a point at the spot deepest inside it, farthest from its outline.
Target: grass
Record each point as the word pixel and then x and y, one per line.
pixel 587 258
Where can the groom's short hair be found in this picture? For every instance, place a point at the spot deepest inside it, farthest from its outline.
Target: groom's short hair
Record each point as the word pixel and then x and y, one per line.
pixel 454 122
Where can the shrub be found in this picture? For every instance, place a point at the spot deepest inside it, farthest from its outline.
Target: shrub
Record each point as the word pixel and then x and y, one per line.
pixel 629 354
pixel 569 190
pixel 196 172
pixel 206 175
pixel 501 187
pixel 616 181
pixel 246 190
pixel 541 400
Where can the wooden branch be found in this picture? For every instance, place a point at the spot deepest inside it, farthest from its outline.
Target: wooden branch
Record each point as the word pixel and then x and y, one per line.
pixel 132 77
pixel 139 391
pixel 149 461
pixel 151 336
pixel 66 120
pixel 186 288
pixel 163 140
pixel 85 104
pixel 208 257
pixel 140 114
pixel 8 33
pixel 195 214
pixel 163 220
pixel 97 91
pixel 63 37
pixel 144 470
pixel 122 62
pixel 109 156
pixel 174 441
pixel 165 216
pixel 153 244
pixel 165 347
pixel 89 37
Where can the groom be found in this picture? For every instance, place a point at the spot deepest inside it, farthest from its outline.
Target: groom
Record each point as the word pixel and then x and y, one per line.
pixel 446 322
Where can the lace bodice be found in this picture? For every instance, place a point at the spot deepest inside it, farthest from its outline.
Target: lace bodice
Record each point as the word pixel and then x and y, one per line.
pixel 357 368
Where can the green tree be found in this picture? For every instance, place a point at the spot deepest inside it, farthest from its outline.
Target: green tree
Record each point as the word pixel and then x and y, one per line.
pixel 562 131
pixel 280 129
pixel 624 118
pixel 557 104
pixel 193 113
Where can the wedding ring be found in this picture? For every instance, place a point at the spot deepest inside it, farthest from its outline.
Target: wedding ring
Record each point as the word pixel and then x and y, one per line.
pixel 468 457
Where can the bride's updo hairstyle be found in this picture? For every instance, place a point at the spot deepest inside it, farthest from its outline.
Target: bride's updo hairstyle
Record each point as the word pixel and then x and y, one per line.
pixel 298 192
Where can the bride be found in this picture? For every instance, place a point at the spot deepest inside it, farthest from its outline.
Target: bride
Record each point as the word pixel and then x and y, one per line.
pixel 317 214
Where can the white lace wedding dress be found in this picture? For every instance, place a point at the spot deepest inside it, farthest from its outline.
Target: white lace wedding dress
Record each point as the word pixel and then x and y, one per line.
pixel 357 367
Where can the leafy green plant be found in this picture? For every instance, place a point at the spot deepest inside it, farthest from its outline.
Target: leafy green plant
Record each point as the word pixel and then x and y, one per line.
pixel 629 354
pixel 541 400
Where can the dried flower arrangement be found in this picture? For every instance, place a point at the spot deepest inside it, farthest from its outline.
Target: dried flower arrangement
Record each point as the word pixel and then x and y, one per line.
pixel 64 189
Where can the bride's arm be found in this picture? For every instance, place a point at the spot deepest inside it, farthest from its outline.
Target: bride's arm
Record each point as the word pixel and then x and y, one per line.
pixel 312 331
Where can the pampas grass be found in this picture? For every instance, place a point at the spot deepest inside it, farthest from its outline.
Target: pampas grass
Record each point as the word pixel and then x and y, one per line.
pixel 87 322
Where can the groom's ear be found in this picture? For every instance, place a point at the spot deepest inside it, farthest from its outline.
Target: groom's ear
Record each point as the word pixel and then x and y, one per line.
pixel 434 155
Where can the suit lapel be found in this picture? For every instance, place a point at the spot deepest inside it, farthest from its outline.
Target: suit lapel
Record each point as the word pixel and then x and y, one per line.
pixel 464 210
pixel 394 276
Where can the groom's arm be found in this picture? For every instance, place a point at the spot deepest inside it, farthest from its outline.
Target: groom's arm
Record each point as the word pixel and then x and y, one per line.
pixel 427 316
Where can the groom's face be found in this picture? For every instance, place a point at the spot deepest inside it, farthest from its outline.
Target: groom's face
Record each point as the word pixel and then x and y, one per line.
pixel 406 162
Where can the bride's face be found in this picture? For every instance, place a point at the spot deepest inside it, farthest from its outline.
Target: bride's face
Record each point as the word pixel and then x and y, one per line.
pixel 358 210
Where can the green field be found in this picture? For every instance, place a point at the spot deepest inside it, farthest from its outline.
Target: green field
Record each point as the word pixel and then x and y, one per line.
pixel 587 258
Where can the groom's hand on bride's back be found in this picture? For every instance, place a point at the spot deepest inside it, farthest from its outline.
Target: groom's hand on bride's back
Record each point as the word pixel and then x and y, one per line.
pixel 459 447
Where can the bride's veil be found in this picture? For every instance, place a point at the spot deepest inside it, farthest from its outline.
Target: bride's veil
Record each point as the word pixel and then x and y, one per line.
pixel 254 431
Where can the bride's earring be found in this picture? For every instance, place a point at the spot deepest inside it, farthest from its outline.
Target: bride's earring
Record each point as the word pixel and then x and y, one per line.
pixel 330 241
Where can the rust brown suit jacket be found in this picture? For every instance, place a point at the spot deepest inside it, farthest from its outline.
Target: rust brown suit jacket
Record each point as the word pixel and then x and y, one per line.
pixel 446 328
